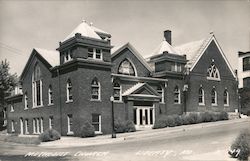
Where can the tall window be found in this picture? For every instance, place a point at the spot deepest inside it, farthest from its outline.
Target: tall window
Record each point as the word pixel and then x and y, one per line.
pixel 213 72
pixel 160 90
pixel 25 101
pixel 41 124
pixel 246 63
pixel 201 96
pixel 26 124
pixel 51 122
pixel 175 67
pixel 50 95
pixel 96 122
pixel 95 90
pixel 117 92
pixel 94 53
pixel 12 107
pixel 12 126
pixel 34 126
pixel 177 95
pixel 69 91
pixel 37 87
pixel 214 97
pixel 70 124
pixel 38 125
pixel 126 68
pixel 67 56
pixel 226 98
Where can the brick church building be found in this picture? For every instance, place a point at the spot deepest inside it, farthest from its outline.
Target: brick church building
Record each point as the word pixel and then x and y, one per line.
pixel 61 89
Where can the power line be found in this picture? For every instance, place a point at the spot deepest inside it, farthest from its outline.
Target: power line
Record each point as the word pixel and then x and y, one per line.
pixel 11 49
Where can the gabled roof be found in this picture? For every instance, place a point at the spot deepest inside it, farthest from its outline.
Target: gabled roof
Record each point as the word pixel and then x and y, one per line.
pixel 115 51
pixel 85 30
pixel 49 57
pixel 195 50
pixel 138 87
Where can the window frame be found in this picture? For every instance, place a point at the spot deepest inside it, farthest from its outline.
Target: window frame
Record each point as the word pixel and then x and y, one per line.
pixel 212 71
pixel 178 96
pixel 99 123
pixel 160 90
pixel 37 80
pixel 227 98
pixel 246 63
pixel 12 109
pixel 26 101
pixel 69 124
pixel 50 95
pixel 118 88
pixel 94 53
pixel 215 97
pixel 130 67
pixel 26 125
pixel 69 94
pixel 98 87
pixel 12 126
pixel 51 122
pixel 202 96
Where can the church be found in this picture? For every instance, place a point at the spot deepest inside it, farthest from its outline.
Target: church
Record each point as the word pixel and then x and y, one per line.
pixel 86 75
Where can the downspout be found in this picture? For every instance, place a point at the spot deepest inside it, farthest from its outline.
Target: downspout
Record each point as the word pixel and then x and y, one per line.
pixel 60 102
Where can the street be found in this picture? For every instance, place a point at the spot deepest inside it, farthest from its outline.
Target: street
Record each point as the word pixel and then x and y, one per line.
pixel 208 143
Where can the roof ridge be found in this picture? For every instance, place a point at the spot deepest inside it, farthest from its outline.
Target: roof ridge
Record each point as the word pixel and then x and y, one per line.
pixel 131 89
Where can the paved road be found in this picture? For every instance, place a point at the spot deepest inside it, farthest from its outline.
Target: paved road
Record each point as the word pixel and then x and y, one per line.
pixel 208 143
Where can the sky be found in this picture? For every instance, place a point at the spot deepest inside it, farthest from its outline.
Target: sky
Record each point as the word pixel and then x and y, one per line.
pixel 27 24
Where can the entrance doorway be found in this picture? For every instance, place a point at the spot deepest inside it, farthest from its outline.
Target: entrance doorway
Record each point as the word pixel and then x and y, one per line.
pixel 144 116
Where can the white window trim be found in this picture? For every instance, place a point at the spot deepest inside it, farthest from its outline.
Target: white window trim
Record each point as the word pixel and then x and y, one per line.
pixel 67 53
pixel 68 120
pixel 25 102
pixel 162 95
pixel 26 126
pixel 34 96
pixel 99 91
pixel 100 125
pixel 50 96
pixel 12 126
pixel 12 107
pixel 217 71
pixel 94 54
pixel 227 104
pixel 120 98
pixel 50 122
pixel 203 98
pixel 41 124
pixel 38 125
pixel 179 97
pixel 215 99
pixel 67 92
pixel 34 125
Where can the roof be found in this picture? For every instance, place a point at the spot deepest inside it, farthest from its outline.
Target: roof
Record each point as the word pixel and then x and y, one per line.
pixel 116 50
pixel 51 56
pixel 85 30
pixel 193 50
pixel 97 30
pixel 132 89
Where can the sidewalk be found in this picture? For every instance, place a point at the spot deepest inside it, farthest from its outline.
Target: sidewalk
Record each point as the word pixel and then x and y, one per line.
pixel 66 141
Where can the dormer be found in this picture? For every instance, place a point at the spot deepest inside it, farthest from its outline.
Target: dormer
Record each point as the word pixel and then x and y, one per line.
pixel 85 42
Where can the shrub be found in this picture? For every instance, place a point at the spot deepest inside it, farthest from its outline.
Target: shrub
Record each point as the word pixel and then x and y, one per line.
pixel 170 121
pixel 193 118
pixel 129 126
pixel 87 130
pixel 49 135
pixel 240 148
pixel 120 126
pixel 178 120
pixel 185 119
pixel 223 115
pixel 160 122
pixel 206 117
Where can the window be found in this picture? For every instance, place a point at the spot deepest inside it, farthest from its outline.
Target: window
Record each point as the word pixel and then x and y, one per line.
pixel 38 125
pixel 69 91
pixel 41 124
pixel 117 92
pixel 95 90
pixel 37 87
pixel 160 90
pixel 50 95
pixel 126 68
pixel 12 126
pixel 96 122
pixel 246 63
pixel 201 96
pixel 51 122
pixel 70 124
pixel 34 126
pixel 4 117
pixel 175 67
pixel 26 124
pixel 25 101
pixel 214 97
pixel 177 95
pixel 67 56
pixel 12 107
pixel 246 82
pixel 213 72
pixel 95 53
pixel 226 98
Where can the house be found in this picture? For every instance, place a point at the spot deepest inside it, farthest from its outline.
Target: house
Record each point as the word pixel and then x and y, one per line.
pixel 63 88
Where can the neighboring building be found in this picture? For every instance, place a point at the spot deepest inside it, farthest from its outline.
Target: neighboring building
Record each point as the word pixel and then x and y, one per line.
pixel 64 88
pixel 244 69
pixel 244 80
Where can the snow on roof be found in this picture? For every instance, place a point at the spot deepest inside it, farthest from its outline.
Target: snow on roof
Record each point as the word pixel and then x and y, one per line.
pixel 132 89
pixel 51 56
pixel 163 47
pixel 193 50
pixel 85 30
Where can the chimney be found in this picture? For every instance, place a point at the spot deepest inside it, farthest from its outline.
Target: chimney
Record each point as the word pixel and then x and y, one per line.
pixel 167 35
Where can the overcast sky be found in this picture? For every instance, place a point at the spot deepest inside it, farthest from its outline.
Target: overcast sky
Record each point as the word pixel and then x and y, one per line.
pixel 28 24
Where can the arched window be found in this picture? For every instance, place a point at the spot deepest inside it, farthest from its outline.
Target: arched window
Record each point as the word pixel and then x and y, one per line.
pixel 69 91
pixel 117 92
pixel 37 87
pixel 50 95
pixel 95 90
pixel 177 95
pixel 160 90
pixel 213 72
pixel 214 97
pixel 201 96
pixel 26 101
pixel 126 68
pixel 226 98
